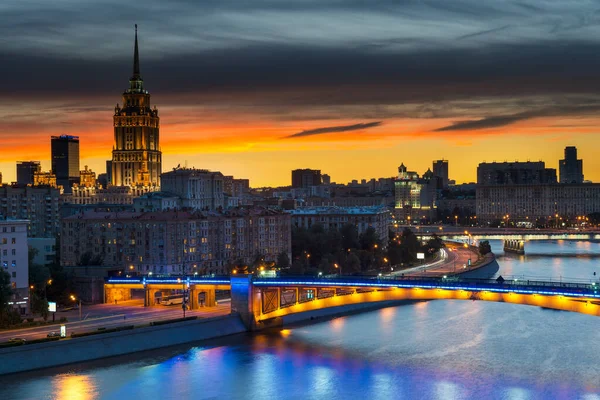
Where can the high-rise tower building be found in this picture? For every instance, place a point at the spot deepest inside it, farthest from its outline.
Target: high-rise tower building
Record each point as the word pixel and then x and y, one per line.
pixel 65 160
pixel 136 155
pixel 440 169
pixel 571 169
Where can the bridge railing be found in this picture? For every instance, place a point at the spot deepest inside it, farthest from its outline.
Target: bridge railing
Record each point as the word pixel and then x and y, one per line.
pixel 171 279
pixel 433 282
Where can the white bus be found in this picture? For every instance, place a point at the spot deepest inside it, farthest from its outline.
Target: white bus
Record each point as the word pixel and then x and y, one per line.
pixel 173 299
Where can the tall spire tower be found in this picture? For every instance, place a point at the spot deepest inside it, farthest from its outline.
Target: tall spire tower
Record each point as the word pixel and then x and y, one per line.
pixel 136 155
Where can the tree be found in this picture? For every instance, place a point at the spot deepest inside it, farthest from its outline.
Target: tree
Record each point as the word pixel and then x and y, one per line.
pixel 283 261
pixel 349 236
pixel 484 247
pixel 435 243
pixel 297 268
pixel 324 266
pixel 5 290
pixel 8 316
pixel 409 245
pixel 352 264
pixel 39 305
pixel 38 275
pixel 369 239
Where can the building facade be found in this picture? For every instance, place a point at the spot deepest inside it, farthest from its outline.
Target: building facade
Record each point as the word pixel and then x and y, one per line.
pixel 176 242
pixel 39 205
pixel 136 155
pixel 570 168
pixel 44 250
pixel 440 170
pixel 515 173
pixel 305 178
pixel 199 189
pixel 65 160
pixel 363 218
pixel 415 197
pixel 14 260
pixel 521 203
pixel 26 171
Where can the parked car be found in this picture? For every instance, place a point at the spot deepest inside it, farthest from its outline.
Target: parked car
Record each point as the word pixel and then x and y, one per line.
pixel 53 334
pixel 16 340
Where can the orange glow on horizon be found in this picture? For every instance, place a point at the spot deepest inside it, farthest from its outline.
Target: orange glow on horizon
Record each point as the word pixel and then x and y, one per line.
pixel 255 147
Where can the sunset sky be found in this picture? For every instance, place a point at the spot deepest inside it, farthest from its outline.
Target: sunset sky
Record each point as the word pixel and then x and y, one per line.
pixel 257 88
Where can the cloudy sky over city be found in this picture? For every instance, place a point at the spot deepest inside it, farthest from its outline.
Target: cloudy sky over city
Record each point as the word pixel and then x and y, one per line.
pixel 354 88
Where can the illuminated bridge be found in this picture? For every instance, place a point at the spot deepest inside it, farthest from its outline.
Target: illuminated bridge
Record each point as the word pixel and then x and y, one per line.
pixel 266 302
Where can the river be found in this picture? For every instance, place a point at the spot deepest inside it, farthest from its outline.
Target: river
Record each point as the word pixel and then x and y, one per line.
pixel 428 350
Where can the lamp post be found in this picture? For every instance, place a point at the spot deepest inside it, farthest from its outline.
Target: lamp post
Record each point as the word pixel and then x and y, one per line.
pixel 338 267
pixel 75 300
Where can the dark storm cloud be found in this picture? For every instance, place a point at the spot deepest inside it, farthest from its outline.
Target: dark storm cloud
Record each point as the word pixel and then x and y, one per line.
pixel 306 52
pixel 503 120
pixel 332 129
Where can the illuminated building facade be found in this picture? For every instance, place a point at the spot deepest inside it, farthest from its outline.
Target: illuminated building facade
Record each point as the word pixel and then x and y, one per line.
pixel 44 179
pixel 136 155
pixel 541 203
pixel 415 197
pixel 176 242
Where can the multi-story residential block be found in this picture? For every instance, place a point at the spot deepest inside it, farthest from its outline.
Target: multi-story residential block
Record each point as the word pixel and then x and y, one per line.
pixel 14 260
pixel 515 173
pixel 536 202
pixel 363 218
pixel 157 201
pixel 38 204
pixel 304 178
pixel 199 189
pixel 175 242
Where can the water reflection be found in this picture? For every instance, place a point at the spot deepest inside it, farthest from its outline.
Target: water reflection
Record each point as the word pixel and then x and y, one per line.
pixel 426 350
pixel 74 387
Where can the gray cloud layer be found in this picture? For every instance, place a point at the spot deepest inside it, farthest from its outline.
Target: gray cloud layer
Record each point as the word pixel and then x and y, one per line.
pixel 333 129
pixel 312 53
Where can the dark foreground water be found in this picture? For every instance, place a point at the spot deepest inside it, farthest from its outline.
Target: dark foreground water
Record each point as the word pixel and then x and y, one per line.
pixel 429 350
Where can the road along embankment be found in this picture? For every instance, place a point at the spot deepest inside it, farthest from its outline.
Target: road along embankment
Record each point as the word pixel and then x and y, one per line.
pixel 486 268
pixel 88 348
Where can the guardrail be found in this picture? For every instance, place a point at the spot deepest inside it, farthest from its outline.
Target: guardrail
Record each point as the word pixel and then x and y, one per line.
pixel 455 283
pixel 522 285
pixel 140 280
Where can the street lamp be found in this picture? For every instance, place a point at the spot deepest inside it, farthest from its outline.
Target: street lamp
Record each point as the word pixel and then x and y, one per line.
pixel 75 299
pixel 338 267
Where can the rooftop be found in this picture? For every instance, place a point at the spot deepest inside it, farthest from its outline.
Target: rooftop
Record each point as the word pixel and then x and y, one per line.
pixel 339 210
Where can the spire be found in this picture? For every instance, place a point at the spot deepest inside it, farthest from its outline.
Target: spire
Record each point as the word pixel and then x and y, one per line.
pixel 136 58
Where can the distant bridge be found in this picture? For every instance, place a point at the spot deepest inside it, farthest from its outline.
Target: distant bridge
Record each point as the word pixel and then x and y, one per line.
pixel 264 302
pixel 504 234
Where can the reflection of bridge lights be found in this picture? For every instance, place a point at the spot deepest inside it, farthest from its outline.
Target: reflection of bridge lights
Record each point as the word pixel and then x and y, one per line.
pixel 285 332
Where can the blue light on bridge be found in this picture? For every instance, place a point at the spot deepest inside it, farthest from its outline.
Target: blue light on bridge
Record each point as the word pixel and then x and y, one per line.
pixel 523 287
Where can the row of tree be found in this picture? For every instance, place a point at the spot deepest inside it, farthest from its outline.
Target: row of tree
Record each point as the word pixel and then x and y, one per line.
pixel 347 252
